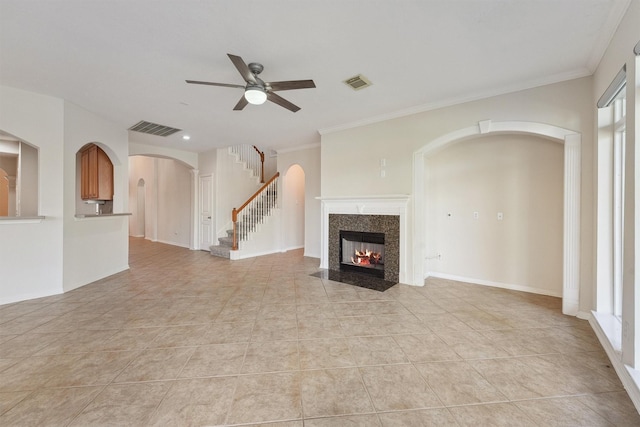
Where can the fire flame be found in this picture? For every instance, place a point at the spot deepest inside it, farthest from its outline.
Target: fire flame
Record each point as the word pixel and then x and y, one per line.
pixel 366 257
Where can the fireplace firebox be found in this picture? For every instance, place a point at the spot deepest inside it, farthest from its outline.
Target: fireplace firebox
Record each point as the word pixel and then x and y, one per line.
pixel 362 252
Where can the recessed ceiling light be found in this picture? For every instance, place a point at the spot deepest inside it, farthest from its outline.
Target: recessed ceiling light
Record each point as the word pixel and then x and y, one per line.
pixel 186 137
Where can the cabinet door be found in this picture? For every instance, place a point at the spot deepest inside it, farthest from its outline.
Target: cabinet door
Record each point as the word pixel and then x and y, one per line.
pixel 96 174
pixel 84 175
pixel 104 176
pixel 92 188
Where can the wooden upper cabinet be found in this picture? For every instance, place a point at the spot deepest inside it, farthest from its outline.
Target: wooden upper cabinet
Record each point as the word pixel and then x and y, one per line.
pixel 96 174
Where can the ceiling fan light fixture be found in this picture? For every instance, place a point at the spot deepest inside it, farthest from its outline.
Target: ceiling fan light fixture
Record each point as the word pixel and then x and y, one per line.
pixel 255 95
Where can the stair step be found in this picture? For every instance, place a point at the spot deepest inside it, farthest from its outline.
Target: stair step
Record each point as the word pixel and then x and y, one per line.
pixel 226 241
pixel 220 251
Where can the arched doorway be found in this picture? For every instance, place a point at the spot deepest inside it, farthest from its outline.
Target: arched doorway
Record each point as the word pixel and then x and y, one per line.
pixel 166 186
pixel 571 221
pixel 140 209
pixel 293 207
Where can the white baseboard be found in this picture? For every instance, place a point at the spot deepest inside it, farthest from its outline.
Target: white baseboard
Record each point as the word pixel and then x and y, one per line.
pixel 293 248
pixel 494 284
pixel 630 378
pixel 236 255
pixel 171 243
pixel 312 254
pixel 584 315
pixel 25 297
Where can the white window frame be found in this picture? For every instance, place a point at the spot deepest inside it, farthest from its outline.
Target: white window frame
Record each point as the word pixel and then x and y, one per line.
pixel 619 127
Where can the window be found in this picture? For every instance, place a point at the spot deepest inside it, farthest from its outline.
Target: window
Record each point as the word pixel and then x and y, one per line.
pixel 619 111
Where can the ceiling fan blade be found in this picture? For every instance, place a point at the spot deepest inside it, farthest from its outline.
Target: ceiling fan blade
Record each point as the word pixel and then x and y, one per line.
pixel 241 104
pixel 277 99
pixel 242 67
pixel 292 84
pixel 195 82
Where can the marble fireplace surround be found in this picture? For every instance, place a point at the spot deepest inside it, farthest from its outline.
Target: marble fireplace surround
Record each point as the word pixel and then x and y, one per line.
pixel 388 214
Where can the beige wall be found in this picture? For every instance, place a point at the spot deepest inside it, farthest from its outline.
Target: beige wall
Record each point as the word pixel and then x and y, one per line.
pixel 521 177
pixel 567 105
pixel 167 199
pixel 308 158
pixel 174 202
pixel 293 200
pixel 98 247
pixel 30 270
pixel 60 253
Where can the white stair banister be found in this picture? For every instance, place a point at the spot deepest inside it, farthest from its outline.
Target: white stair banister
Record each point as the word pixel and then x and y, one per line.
pixel 252 157
pixel 251 214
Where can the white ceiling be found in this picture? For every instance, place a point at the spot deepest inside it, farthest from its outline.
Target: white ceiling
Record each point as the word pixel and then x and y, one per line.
pixel 127 60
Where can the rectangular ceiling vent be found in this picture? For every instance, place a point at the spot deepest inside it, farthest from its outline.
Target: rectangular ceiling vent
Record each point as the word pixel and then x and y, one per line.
pixel 153 128
pixel 358 82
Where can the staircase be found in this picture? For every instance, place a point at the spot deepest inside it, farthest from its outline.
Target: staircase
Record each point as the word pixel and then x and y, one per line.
pixel 247 220
pixel 223 248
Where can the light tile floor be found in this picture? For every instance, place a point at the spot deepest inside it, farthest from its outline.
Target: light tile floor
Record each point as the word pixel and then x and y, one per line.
pixel 183 338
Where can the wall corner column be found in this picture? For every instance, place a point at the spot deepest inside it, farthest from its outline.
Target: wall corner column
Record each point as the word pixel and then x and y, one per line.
pixel 572 188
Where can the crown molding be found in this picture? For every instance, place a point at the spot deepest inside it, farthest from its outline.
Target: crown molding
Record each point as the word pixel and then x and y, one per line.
pixel 531 84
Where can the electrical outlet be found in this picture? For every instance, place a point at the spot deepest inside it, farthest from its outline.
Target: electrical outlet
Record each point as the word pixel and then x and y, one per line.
pixel 476 215
pixel 500 216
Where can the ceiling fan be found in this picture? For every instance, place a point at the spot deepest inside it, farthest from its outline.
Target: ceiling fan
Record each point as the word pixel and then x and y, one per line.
pixel 257 91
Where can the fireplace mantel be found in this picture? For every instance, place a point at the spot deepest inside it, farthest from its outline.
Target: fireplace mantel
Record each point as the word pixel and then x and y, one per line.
pixel 396 204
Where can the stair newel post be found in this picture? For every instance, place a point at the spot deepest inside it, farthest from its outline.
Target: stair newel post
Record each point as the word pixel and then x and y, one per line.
pixel 234 219
pixel 261 153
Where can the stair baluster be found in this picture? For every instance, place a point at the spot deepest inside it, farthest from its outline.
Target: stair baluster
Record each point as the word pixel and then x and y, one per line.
pixel 252 157
pixel 253 211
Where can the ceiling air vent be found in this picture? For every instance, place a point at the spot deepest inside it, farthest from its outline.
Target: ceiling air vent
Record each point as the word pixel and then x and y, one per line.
pixel 358 82
pixel 153 128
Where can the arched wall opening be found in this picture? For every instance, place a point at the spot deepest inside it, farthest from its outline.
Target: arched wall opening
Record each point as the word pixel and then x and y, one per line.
pixel 495 212
pixel 293 201
pixel 162 196
pixel 97 177
pixel 20 161
pixel 571 196
pixel 140 209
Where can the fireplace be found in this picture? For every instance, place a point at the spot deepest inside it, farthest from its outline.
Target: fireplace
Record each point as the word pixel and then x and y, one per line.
pixel 362 252
pixel 382 214
pixel 380 230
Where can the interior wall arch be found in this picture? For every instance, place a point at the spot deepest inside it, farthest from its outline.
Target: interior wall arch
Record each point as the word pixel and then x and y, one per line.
pixel 140 209
pixel 293 201
pixel 158 223
pixel 571 203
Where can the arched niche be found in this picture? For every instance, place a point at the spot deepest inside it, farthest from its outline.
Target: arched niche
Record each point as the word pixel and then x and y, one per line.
pixel 293 201
pixel 140 209
pixel 95 172
pixel 571 212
